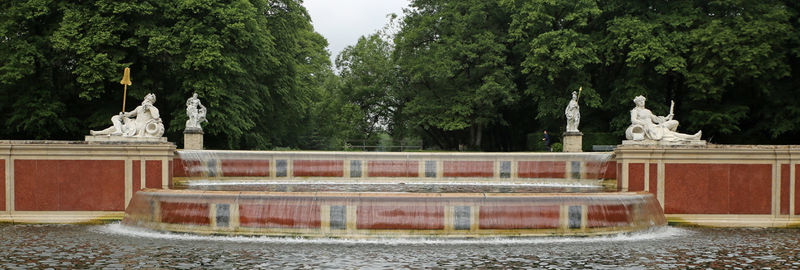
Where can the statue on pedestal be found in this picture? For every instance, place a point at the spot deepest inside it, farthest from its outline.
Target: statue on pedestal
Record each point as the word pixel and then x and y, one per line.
pixel 573 113
pixel 196 112
pixel 147 122
pixel 647 126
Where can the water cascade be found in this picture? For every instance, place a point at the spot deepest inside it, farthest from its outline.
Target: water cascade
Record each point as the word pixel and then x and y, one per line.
pixel 354 195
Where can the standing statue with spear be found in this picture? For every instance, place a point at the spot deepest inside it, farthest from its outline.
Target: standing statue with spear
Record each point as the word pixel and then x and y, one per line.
pixel 573 112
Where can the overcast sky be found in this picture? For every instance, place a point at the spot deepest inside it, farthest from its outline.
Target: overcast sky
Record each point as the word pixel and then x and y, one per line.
pixel 342 22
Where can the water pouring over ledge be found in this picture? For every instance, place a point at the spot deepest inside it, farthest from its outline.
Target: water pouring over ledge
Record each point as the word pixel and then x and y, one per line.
pixel 354 195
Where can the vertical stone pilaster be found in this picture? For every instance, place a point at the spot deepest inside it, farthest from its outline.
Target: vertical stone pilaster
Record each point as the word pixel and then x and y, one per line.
pixel 128 181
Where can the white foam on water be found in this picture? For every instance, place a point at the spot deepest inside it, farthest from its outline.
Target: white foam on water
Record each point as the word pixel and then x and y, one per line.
pixel 659 233
pixel 257 183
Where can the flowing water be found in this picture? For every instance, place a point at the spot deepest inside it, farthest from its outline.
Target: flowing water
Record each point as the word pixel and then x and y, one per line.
pixel 116 246
pixel 338 194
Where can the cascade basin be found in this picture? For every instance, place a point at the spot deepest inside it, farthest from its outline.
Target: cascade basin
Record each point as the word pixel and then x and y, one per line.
pixel 393 210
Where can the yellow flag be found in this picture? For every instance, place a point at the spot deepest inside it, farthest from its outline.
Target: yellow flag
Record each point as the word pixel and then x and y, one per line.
pixel 126 78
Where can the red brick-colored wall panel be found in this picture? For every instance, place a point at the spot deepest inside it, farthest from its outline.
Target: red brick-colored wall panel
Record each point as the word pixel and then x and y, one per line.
pixel 136 175
pixel 653 181
pixel 2 185
pixel 185 213
pixel 35 188
pixel 541 169
pixel 152 173
pixel 750 188
pixel 608 216
pixel 785 186
pixel 170 171
pixel 400 217
pixel 600 170
pixel 393 168
pixel 241 167
pixel 468 169
pixel 696 188
pixel 186 168
pixel 93 185
pixel 797 189
pixel 324 168
pixel 69 185
pixel 280 215
pixel 611 170
pixel 636 177
pixel 518 217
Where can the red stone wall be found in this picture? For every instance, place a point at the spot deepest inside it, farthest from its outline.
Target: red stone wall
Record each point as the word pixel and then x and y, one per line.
pixel 280 215
pixel 653 181
pixel 243 167
pixel 185 213
pixel 400 217
pixel 324 168
pixel 393 168
pixel 608 216
pixel 69 185
pixel 797 189
pixel 601 170
pixel 717 188
pixel 519 217
pixel 468 169
pixel 136 172
pixel 152 173
pixel 542 169
pixel 636 177
pixel 3 185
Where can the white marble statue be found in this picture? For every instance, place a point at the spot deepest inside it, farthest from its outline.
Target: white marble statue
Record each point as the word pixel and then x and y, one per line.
pixel 647 126
pixel 573 114
pixel 196 112
pixel 146 124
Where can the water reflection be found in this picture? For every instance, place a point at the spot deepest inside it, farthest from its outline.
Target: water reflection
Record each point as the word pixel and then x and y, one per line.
pixel 82 246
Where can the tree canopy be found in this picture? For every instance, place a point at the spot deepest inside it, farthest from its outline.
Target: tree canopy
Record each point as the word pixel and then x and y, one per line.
pixel 486 75
pixel 255 63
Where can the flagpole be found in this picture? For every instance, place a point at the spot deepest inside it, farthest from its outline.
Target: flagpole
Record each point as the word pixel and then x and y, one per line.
pixel 126 80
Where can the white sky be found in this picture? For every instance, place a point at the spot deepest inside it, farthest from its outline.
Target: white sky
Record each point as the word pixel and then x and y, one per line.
pixel 342 22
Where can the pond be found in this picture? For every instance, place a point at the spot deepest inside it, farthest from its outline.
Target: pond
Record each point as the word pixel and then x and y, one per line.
pixel 117 246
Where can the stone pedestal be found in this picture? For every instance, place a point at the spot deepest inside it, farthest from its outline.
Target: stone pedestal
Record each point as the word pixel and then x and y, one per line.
pixel 193 139
pixel 123 139
pixel 573 142
pixel 665 143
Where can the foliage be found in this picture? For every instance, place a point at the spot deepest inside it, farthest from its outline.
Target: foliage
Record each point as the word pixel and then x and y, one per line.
pixel 367 90
pixel 472 74
pixel 455 77
pixel 252 62
pixel 469 67
pixel 557 147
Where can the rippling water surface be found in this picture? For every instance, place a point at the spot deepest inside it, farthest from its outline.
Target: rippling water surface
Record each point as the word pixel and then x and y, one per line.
pixel 116 246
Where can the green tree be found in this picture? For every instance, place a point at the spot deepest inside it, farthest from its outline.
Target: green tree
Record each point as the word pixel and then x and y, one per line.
pixel 721 61
pixel 455 73
pixel 368 82
pixel 250 61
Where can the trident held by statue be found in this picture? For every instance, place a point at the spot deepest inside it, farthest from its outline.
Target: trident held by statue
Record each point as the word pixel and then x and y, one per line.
pixel 126 80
